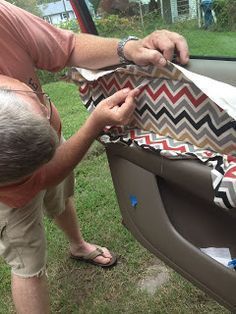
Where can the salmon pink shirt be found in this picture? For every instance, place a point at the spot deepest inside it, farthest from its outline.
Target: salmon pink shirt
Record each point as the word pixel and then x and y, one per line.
pixel 28 43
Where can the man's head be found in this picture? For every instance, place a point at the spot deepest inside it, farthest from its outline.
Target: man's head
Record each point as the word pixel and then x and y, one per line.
pixel 27 140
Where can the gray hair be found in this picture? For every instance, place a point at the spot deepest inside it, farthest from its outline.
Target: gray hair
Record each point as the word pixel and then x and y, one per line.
pixel 27 141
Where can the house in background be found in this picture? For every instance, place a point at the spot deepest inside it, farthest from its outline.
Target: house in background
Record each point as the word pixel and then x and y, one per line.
pixel 175 10
pixel 60 11
pixel 170 10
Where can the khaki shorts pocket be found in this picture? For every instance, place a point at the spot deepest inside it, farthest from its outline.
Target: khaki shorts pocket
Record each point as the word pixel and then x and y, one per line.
pixel 8 250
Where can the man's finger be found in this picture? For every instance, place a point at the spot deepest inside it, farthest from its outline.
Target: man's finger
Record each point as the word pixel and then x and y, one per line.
pixel 182 48
pixel 118 97
pixel 127 107
pixel 164 45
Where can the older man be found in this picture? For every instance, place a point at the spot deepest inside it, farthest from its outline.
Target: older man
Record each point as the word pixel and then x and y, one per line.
pixel 36 164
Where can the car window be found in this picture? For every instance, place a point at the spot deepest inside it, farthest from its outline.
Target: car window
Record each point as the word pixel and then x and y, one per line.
pixel 208 25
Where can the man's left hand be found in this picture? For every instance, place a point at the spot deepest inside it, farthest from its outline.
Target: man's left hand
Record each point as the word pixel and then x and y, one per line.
pixel 156 48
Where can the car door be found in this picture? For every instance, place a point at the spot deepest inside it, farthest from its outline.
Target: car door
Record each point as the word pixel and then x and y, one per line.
pixel 168 204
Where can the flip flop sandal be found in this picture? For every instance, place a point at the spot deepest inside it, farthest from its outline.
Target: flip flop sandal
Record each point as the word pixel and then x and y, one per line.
pixel 89 258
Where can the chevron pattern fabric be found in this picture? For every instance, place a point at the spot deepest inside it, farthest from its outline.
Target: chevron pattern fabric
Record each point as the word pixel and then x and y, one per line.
pixel 175 119
pixel 170 105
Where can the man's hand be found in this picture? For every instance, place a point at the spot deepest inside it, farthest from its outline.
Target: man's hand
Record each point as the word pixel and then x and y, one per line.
pixel 94 52
pixel 156 48
pixel 115 110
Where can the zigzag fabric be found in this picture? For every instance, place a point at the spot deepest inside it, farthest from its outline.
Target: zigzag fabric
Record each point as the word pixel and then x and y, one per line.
pixel 169 105
pixel 173 118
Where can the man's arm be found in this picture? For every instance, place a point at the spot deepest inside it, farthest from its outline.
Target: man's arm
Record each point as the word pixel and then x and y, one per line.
pixel 94 52
pixel 52 48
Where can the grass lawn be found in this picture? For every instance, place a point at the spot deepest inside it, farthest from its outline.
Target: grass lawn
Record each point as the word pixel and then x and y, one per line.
pixel 201 42
pixel 79 288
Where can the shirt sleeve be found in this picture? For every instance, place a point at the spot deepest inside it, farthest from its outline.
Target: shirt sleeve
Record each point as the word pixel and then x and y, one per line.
pixel 49 47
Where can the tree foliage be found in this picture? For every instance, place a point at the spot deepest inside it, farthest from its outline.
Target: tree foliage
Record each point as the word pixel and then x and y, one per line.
pixel 95 4
pixel 225 11
pixel 28 5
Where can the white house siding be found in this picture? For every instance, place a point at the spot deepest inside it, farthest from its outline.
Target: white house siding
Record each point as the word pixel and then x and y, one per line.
pixel 174 10
pixel 55 12
pixel 162 12
pixel 192 5
pixel 193 9
pixel 58 18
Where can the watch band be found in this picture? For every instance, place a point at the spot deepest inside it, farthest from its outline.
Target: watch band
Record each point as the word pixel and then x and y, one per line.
pixel 120 48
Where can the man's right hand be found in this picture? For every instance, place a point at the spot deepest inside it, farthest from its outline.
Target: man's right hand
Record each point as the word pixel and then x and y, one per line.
pixel 117 109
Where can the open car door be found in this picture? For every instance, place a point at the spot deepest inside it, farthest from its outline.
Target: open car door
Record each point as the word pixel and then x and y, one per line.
pixel 168 205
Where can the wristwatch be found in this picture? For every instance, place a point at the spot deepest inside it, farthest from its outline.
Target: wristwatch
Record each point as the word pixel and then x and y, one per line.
pixel 120 48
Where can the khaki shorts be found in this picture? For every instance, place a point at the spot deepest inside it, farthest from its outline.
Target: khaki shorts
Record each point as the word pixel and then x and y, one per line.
pixel 22 235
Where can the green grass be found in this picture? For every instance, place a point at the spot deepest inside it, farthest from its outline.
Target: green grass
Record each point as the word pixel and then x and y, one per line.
pixel 200 41
pixel 78 288
pixel 209 43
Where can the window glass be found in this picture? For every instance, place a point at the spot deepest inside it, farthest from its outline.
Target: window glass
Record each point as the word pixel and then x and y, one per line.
pixel 208 25
pixel 64 16
pixel 183 7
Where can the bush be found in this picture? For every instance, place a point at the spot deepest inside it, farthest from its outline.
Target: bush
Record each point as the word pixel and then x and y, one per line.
pixel 225 11
pixel 71 25
pixel 114 25
pixel 117 26
pixel 111 24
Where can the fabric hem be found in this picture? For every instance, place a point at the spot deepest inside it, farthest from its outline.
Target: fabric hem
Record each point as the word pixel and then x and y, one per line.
pixel 38 274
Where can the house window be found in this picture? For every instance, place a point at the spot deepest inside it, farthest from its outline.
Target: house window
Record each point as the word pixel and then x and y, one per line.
pixel 47 18
pixel 64 16
pixel 183 7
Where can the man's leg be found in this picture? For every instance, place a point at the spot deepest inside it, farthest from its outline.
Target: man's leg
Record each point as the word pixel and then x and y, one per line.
pixel 23 246
pixel 209 16
pixel 68 222
pixel 30 295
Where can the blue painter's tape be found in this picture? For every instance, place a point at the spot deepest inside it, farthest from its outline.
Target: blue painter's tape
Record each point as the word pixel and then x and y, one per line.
pixel 133 200
pixel 232 264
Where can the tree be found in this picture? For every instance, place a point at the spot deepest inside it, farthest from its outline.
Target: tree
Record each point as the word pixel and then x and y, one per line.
pixel 95 4
pixel 28 5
